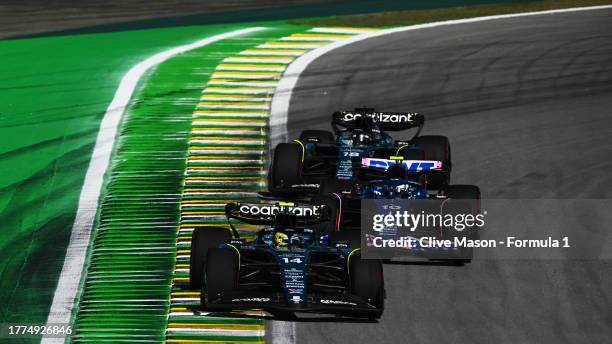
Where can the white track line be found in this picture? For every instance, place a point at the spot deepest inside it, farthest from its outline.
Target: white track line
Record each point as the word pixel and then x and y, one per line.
pixel 70 277
pixel 285 332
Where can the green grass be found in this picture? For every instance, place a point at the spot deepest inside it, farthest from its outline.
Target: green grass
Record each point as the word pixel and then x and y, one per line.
pixel 412 17
pixel 54 92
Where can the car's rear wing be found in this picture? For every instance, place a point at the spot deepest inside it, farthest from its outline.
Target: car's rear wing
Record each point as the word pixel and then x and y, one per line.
pixel 409 165
pixel 263 214
pixel 386 121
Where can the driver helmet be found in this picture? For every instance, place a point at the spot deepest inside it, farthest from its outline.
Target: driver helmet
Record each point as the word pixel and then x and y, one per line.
pixel 364 130
pixel 281 240
pixel 362 139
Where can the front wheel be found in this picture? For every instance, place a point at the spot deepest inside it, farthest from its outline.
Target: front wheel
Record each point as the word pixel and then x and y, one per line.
pixel 221 275
pixel 469 193
pixel 366 278
pixel 203 239
pixel 463 199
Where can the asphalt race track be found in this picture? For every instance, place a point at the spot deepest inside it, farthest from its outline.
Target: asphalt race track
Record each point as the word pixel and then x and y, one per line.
pixel 527 104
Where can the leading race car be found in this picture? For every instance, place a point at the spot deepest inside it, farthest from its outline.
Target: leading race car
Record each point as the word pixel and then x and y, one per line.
pixel 289 266
pixel 318 156
pixel 403 184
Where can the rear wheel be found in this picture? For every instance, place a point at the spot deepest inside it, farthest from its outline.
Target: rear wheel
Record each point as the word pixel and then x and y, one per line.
pixel 366 278
pixel 463 199
pixel 286 168
pixel 436 148
pixel 317 136
pixel 221 274
pixel 202 240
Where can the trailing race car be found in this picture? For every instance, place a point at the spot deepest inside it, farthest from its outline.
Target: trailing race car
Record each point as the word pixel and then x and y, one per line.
pixel 289 266
pixel 359 136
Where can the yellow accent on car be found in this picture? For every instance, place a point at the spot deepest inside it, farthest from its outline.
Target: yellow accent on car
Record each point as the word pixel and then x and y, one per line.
pixel 400 148
pixel 396 157
pixel 286 204
pixel 303 148
pixel 237 251
pixel 348 259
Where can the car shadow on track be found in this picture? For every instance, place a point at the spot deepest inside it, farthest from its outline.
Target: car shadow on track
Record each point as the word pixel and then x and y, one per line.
pixel 424 262
pixel 288 316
